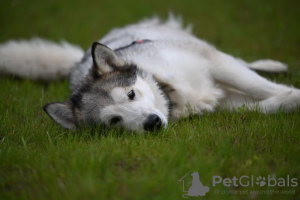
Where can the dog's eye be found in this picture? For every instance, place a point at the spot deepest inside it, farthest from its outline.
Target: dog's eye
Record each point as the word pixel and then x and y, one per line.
pixel 131 95
pixel 115 120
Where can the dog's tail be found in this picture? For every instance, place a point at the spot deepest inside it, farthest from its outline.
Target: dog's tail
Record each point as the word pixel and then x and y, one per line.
pixel 38 59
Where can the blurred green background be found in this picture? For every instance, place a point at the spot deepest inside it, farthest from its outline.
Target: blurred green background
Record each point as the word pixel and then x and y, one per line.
pixel 246 28
pixel 40 160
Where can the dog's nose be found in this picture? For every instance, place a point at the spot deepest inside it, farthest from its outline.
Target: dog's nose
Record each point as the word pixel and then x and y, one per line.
pixel 153 122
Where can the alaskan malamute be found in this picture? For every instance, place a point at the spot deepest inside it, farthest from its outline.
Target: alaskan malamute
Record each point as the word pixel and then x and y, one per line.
pixel 144 75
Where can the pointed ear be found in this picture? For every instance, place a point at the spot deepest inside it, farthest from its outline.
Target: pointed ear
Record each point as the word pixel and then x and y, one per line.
pixel 104 58
pixel 61 113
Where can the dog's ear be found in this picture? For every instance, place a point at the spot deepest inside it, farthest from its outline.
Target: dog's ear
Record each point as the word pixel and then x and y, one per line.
pixel 105 60
pixel 61 113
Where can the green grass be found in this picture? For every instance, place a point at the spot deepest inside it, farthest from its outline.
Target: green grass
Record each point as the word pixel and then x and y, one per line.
pixel 39 160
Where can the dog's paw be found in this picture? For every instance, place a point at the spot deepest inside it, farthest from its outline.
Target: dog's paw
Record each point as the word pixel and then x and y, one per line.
pixel 287 101
pixel 269 66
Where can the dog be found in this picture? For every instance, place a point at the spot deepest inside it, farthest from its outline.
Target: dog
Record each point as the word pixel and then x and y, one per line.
pixel 142 76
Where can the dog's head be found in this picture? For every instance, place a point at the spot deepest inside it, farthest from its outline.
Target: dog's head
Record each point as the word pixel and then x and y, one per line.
pixel 114 94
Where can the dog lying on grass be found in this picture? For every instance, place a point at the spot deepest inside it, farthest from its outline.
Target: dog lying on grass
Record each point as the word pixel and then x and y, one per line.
pixel 144 75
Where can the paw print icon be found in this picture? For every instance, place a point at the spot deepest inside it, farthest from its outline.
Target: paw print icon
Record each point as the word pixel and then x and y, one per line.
pixel 261 181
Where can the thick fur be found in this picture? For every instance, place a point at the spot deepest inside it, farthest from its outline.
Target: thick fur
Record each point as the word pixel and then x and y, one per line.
pixel 166 75
pixel 38 59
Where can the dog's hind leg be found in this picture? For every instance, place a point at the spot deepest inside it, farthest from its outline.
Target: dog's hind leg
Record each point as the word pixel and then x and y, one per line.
pixel 268 96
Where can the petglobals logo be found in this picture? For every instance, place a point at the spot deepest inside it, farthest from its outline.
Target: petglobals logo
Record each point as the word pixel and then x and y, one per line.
pixel 195 185
pixel 192 185
pixel 247 181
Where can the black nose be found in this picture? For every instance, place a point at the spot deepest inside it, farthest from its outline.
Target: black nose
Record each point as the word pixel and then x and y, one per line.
pixel 153 122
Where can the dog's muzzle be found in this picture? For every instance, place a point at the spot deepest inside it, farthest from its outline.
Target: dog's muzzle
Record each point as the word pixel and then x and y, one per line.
pixel 153 122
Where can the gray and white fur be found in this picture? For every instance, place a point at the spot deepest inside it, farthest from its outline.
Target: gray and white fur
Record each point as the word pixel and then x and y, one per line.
pixel 144 75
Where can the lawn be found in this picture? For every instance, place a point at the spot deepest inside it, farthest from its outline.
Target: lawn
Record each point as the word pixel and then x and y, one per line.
pixel 40 160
